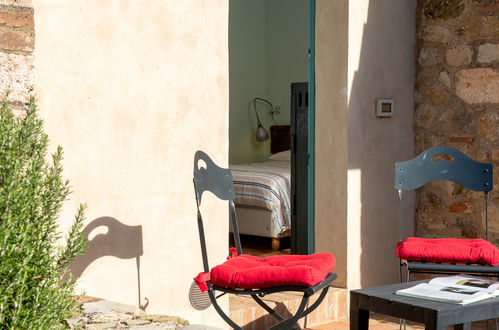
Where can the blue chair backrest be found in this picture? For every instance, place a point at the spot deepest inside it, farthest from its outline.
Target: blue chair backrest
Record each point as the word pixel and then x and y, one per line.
pixel 210 177
pixel 457 167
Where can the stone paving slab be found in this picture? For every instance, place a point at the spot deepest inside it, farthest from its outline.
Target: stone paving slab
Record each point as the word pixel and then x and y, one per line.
pixel 106 307
pixel 103 314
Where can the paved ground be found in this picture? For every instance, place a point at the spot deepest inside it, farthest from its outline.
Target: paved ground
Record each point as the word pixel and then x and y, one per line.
pixel 101 314
pixel 376 322
pixel 380 322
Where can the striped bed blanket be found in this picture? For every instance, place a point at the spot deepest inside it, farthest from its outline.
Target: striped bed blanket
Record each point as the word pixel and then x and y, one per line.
pixel 265 185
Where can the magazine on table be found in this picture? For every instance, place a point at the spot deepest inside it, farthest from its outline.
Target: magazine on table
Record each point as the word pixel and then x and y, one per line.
pixel 460 289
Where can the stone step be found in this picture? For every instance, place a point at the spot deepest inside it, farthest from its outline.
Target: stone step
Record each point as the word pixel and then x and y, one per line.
pixel 249 315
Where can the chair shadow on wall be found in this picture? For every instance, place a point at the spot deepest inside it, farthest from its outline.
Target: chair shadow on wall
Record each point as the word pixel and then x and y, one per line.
pixel 106 236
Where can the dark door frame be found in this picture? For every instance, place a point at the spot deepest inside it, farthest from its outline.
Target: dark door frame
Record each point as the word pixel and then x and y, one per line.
pixel 311 131
pixel 303 220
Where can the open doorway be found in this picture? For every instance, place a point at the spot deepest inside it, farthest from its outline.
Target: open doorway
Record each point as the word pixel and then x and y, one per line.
pixel 268 53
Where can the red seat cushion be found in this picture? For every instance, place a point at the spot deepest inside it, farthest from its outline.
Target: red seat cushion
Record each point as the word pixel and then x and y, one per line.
pixel 250 272
pixel 448 250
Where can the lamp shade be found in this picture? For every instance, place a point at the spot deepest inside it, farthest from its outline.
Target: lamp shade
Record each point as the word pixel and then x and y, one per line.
pixel 261 133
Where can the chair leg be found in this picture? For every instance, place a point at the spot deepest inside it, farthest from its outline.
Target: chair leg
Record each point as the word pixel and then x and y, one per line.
pixel 278 317
pixel 402 322
pixel 220 312
pixel 403 265
pixel 284 324
pixel 317 302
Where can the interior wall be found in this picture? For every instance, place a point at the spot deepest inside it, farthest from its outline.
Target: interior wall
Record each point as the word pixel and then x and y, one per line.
pixel 268 49
pixel 381 64
pixel 247 72
pixel 287 52
pixel 131 90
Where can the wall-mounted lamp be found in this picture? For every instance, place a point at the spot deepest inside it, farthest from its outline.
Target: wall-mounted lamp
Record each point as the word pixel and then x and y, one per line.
pixel 261 133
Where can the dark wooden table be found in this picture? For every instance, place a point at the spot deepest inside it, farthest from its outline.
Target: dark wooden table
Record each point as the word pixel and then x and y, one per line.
pixel 434 315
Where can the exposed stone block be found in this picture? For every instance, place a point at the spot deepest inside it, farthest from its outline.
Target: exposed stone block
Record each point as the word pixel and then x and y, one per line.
pixel 470 226
pixel 457 119
pixel 17 3
pixel 435 33
pixel 428 139
pixel 426 115
pixel 429 56
pixel 443 9
pixel 487 124
pixel 461 207
pixel 16 39
pixel 488 53
pixel 493 221
pixel 432 214
pixel 439 97
pixel 479 27
pixel 486 9
pixel 444 79
pixel 17 18
pixel 426 80
pixel 16 76
pixel 459 55
pixel 479 85
pixel 495 155
pixel 467 194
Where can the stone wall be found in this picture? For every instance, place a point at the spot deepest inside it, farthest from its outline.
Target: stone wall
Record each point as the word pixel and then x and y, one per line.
pixel 457 104
pixel 17 41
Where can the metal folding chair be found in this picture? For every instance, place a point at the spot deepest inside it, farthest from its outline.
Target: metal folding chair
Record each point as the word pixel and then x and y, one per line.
pixel 209 177
pixel 440 256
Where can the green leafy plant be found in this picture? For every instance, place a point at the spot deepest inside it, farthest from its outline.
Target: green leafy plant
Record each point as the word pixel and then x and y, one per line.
pixel 36 289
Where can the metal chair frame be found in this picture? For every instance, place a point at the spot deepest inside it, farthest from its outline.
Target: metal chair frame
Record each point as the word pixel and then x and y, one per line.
pixel 219 181
pixel 461 169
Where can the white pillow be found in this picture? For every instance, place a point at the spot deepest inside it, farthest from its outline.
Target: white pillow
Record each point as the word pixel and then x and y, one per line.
pixel 283 155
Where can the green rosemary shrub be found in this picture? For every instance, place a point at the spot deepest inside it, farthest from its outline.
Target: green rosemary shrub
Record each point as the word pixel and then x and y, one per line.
pixel 36 290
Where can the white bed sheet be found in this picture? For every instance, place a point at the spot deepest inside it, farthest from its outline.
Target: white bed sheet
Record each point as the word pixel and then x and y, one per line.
pixel 265 185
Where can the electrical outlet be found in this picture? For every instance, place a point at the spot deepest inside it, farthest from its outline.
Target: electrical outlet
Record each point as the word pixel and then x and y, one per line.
pixel 384 107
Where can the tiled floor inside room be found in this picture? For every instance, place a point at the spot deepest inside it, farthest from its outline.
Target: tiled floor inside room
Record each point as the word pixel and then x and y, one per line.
pixel 261 246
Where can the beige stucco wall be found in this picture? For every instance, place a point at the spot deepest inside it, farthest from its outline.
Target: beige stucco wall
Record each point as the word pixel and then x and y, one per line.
pixel 381 42
pixel 360 57
pixel 131 90
pixel 331 120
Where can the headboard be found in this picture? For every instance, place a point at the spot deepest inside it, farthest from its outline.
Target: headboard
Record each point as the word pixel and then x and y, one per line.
pixel 280 138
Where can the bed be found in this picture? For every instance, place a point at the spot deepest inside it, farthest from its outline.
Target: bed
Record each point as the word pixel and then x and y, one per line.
pixel 263 191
